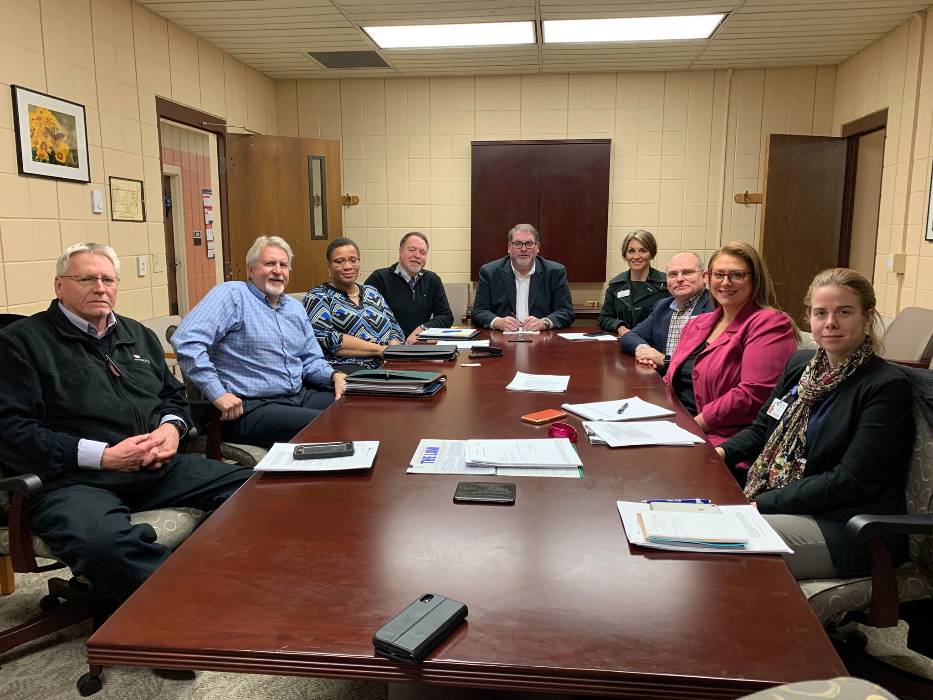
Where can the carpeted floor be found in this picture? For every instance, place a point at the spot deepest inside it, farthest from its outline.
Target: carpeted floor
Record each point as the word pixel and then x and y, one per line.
pixel 49 668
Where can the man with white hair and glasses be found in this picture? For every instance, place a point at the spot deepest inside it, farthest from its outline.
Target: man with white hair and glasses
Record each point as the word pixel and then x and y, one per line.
pixel 90 407
pixel 251 350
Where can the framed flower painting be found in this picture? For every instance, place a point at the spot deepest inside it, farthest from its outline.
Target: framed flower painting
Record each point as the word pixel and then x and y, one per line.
pixel 51 136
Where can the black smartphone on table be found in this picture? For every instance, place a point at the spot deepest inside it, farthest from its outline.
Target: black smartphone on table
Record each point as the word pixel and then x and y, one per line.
pixel 323 450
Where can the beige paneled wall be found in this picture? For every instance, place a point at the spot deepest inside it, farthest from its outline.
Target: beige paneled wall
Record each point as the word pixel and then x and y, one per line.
pixel 114 57
pixel 682 144
pixel 897 72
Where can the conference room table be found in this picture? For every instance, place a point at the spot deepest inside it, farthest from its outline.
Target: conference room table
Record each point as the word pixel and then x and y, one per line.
pixel 294 573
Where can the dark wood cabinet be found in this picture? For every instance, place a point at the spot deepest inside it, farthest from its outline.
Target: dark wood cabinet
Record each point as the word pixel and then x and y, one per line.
pixel 561 187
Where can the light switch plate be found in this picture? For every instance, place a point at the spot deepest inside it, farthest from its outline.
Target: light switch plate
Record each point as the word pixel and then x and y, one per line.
pixel 141 265
pixel 97 201
pixel 158 264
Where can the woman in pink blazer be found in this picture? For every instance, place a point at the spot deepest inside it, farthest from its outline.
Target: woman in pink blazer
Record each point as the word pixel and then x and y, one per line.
pixel 728 360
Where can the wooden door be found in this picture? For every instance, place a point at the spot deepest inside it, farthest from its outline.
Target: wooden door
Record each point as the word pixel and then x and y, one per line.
pixel 560 187
pixel 269 194
pixel 802 212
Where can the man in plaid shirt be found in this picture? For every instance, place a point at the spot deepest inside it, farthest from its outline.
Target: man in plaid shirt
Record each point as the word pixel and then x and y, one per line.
pixel 652 341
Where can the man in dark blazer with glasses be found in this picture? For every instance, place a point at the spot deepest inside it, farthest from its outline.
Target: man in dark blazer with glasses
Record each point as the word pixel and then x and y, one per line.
pixel 523 291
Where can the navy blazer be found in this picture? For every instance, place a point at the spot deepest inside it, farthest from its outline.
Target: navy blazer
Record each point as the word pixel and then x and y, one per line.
pixel 653 330
pixel 548 295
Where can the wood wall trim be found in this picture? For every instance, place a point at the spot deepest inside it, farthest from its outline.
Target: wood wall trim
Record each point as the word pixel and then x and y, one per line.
pixel 867 124
pixel 196 119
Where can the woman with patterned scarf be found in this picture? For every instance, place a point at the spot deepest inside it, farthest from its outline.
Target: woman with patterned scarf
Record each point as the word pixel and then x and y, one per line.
pixel 834 438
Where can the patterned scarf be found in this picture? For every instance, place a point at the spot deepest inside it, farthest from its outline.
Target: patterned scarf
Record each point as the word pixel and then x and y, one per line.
pixel 782 461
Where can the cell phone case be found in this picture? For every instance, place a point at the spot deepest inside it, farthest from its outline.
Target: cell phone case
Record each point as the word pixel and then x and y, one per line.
pixel 485 492
pixel 413 633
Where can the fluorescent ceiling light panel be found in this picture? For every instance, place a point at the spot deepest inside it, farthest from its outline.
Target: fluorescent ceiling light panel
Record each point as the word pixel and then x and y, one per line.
pixel 423 36
pixel 602 31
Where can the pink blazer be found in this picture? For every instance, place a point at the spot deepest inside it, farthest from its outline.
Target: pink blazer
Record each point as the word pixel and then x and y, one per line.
pixel 734 376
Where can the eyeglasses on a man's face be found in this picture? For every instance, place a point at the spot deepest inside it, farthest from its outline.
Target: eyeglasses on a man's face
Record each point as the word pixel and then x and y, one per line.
pixel 526 245
pixel 91 280
pixel 735 276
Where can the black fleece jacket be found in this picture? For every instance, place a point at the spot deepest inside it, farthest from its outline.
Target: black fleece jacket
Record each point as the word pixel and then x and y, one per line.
pixel 59 387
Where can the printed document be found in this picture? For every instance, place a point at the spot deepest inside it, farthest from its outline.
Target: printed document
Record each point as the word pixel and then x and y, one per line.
pixel 449 457
pixel 761 537
pixel 641 433
pixel 554 383
pixel 280 459
pixel 542 453
pixel 621 409
pixel 448 333
pixel 465 344
pixel 586 336
pixel 521 332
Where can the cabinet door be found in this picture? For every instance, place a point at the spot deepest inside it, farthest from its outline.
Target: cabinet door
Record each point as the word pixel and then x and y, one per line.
pixel 560 187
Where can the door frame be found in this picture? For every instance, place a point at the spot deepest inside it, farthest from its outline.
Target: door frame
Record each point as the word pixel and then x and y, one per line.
pixel 853 131
pixel 173 172
pixel 203 121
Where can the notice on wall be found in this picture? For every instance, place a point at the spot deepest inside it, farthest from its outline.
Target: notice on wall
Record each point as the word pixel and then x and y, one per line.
pixel 207 200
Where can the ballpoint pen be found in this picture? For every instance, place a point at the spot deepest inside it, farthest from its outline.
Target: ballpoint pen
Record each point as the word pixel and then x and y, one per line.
pixel 622 408
pixel 677 500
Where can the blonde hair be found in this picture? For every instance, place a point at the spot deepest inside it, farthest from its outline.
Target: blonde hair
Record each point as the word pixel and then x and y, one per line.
pixel 857 283
pixel 646 238
pixel 763 294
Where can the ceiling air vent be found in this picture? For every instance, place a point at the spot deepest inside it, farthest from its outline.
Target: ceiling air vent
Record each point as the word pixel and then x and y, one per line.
pixel 348 59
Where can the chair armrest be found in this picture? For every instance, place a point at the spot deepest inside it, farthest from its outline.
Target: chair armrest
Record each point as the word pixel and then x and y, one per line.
pixel 22 487
pixel 866 527
pixel 868 530
pixel 24 484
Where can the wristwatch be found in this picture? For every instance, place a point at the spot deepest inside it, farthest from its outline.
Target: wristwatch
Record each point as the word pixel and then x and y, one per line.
pixel 548 323
pixel 179 426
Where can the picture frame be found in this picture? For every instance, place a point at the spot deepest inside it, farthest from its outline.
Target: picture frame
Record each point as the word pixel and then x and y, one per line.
pixel 317 197
pixel 127 199
pixel 51 136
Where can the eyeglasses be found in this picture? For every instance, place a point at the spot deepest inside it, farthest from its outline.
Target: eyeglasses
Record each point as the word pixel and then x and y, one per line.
pixel 735 276
pixel 674 274
pixel 90 280
pixel 526 245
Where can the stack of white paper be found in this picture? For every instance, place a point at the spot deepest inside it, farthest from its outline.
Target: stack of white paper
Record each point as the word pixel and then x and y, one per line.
pixel 586 336
pixel 541 453
pixel 554 383
pixel 640 433
pixel 448 333
pixel 745 522
pixel 465 344
pixel 521 332
pixel 635 409
pixel 280 459
pixel 450 457
pixel 714 529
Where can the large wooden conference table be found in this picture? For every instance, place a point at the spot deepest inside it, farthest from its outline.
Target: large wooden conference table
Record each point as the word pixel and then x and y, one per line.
pixel 295 573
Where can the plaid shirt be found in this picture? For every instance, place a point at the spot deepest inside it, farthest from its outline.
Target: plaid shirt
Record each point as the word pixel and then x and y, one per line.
pixel 678 320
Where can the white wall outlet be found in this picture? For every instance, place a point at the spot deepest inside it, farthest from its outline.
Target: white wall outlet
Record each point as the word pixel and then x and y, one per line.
pixel 158 264
pixel 142 265
pixel 97 201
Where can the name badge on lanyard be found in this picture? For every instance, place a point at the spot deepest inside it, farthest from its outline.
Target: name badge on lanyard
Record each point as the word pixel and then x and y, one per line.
pixel 777 408
pixel 623 293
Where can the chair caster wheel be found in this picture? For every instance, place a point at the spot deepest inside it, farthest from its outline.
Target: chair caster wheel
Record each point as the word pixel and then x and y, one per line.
pixel 88 685
pixel 49 602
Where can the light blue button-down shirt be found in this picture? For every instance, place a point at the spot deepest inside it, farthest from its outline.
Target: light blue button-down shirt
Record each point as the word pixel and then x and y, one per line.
pixel 235 341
